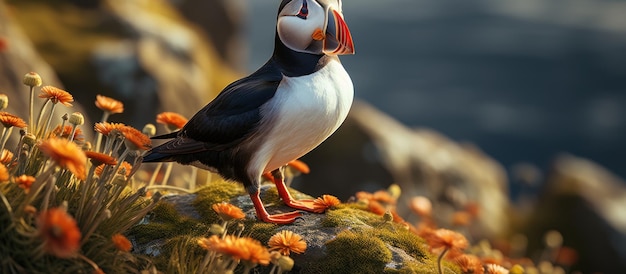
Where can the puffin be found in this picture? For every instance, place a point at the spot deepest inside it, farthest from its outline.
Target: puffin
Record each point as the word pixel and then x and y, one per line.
pixel 289 106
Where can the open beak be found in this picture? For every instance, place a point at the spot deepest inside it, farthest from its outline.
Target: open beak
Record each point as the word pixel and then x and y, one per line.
pixel 338 39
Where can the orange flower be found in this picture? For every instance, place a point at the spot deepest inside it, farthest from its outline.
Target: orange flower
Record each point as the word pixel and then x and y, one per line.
pixel 99 170
pixel 210 243
pixel 6 157
pixel 247 249
pixel 376 208
pixel 473 208
pixel 124 166
pixel 447 239
pixel 61 235
pixel 172 120
pixel 4 173
pixel 364 195
pixel 135 139
pixel 469 264
pixel 250 250
pixel 25 182
pixel 258 254
pixel 228 211
pixel 121 242
pixel 66 154
pixel 56 95
pixel 299 166
pixel 10 120
pixel 109 105
pixel 495 269
pixel 384 197
pixel 461 218
pixel 286 242
pixel 67 130
pixel 4 44
pixel 421 206
pixel 98 158
pixel 105 128
pixel 326 201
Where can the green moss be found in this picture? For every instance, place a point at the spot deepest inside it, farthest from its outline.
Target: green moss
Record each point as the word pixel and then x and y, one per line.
pixel 405 240
pixel 181 254
pixel 350 215
pixel 216 192
pixel 354 252
pixel 165 223
pixel 260 230
pixel 270 196
pixel 428 266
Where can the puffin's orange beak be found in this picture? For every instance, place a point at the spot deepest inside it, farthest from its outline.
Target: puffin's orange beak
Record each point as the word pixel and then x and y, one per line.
pixel 338 39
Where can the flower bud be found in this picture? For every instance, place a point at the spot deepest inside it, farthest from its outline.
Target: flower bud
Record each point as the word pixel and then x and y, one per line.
pixel 149 129
pixel 395 191
pixel 388 217
pixel 30 139
pixel 4 101
pixel 77 119
pixel 216 229
pixel 32 79
pixel 285 263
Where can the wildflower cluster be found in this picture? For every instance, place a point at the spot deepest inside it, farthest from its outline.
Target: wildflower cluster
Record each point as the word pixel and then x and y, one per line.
pixel 226 251
pixel 65 204
pixel 454 246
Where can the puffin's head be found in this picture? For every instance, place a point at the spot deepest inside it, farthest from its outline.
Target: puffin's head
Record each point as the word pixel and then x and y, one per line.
pixel 314 26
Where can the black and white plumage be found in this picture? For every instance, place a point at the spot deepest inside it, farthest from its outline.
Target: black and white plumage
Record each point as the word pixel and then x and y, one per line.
pixel 277 114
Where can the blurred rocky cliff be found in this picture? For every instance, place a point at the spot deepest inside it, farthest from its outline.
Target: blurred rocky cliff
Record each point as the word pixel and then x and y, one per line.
pixel 143 53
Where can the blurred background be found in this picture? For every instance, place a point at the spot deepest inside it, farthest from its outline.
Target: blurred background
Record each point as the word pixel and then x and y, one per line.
pixel 523 80
pixel 517 107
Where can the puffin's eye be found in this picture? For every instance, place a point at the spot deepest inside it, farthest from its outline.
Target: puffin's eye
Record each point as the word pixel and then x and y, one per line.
pixel 304 11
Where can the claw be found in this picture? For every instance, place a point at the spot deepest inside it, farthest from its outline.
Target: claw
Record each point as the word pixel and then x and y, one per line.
pixel 283 192
pixel 262 214
pixel 282 218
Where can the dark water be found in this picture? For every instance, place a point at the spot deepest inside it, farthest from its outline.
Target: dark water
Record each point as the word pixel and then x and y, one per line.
pixel 523 80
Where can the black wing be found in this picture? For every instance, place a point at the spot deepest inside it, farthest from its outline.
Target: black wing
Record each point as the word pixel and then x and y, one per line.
pixel 225 121
pixel 233 114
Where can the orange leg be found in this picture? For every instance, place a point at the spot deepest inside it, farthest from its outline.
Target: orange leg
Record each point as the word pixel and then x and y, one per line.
pixel 284 193
pixel 284 218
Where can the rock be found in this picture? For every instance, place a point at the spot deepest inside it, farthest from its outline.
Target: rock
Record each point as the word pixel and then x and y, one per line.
pixel 372 150
pixel 585 203
pixel 222 22
pixel 345 239
pixel 18 56
pixel 143 53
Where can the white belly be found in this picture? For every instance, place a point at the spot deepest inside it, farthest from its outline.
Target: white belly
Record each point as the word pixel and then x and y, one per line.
pixel 306 110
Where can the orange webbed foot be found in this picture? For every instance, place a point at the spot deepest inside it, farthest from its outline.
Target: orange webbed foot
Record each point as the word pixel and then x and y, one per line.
pixel 281 218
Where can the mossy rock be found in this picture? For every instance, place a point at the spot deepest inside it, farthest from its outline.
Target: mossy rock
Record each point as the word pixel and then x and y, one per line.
pixel 345 239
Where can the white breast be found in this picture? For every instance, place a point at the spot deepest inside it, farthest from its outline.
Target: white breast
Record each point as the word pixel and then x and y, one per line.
pixel 304 112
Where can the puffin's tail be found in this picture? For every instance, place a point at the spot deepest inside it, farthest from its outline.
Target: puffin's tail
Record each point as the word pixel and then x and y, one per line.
pixel 154 155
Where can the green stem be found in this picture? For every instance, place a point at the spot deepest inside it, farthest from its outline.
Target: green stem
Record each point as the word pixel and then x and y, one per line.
pixel 47 125
pixel 31 125
pixel 169 188
pixel 168 171
pixel 443 253
pixel 105 117
pixel 155 173
pixel 71 137
pixel 2 139
pixel 194 177
pixel 84 188
pixel 41 111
